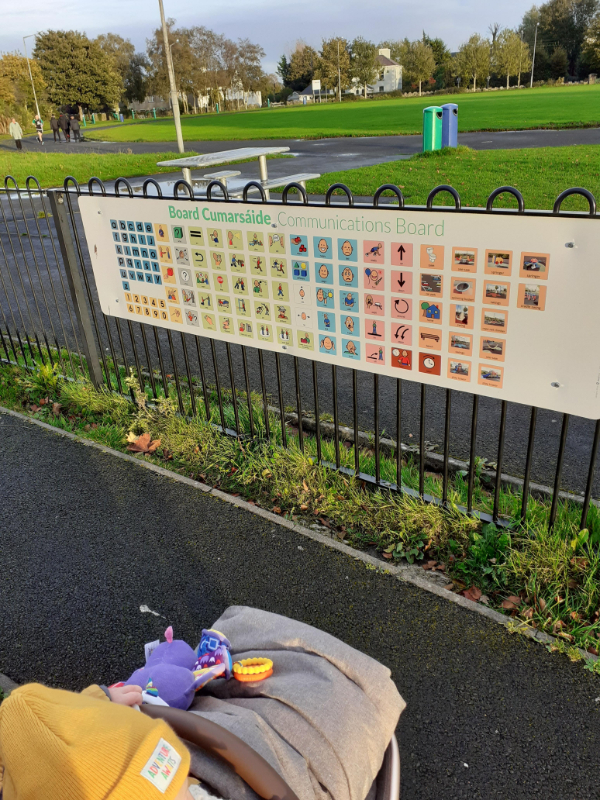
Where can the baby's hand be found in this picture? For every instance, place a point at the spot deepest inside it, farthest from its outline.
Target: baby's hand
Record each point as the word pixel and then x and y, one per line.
pixel 126 695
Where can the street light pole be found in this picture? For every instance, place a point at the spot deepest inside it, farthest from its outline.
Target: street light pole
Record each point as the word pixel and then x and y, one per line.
pixel 174 98
pixel 37 108
pixel 339 75
pixel 533 59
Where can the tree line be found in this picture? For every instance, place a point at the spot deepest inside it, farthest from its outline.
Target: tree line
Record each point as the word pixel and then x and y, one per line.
pixel 567 46
pixel 77 73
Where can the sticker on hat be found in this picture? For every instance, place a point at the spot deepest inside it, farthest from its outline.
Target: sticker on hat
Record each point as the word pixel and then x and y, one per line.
pixel 162 766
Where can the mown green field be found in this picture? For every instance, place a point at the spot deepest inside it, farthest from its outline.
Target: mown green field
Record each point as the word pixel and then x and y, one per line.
pixel 540 175
pixel 552 107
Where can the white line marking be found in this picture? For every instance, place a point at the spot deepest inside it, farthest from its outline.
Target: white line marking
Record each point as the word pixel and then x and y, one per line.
pixel 146 610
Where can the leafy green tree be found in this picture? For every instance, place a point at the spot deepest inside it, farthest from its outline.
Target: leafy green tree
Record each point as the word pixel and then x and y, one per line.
pixel 334 63
pixel 443 61
pixel 363 62
pixel 303 64
pixel 395 47
pixel 135 80
pixel 511 55
pixel 121 50
pixel 473 60
pixel 77 71
pixel 591 46
pixel 562 23
pixel 418 62
pixel 283 70
pixel 559 63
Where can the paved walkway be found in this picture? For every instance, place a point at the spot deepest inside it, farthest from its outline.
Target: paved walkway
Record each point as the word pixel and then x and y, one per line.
pixel 87 539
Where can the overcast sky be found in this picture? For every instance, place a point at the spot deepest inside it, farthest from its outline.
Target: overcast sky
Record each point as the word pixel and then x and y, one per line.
pixel 275 24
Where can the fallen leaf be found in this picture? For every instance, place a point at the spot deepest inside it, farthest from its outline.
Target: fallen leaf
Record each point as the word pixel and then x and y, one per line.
pixel 276 510
pixel 387 555
pixel 575 616
pixel 511 603
pixel 449 587
pixel 541 604
pixel 35 408
pixel 558 625
pixel 44 401
pixel 572 583
pixel 484 599
pixel 303 507
pixel 441 567
pixel 593 651
pixel 325 522
pixel 167 454
pixel 144 444
pixel 528 613
pixel 559 599
pixel 56 407
pixel 305 486
pixel 266 473
pixel 132 437
pixel 473 593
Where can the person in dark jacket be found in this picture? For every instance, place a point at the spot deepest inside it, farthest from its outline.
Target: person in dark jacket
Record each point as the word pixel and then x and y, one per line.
pixel 75 129
pixel 63 123
pixel 55 128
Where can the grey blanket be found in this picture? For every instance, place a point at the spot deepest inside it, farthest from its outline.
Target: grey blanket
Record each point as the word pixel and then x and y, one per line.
pixel 323 720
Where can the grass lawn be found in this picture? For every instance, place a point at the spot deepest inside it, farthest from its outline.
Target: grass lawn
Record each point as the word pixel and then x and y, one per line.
pixel 540 175
pixel 551 107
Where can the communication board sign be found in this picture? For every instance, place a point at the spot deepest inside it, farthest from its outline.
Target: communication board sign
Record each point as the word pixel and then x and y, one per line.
pixel 504 306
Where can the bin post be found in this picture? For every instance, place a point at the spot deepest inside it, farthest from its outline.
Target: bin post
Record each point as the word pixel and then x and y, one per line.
pixel 83 120
pixel 432 128
pixel 154 113
pixel 450 125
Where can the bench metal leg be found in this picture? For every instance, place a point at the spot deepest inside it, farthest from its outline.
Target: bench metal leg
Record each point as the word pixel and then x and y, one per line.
pixel 187 174
pixel 264 177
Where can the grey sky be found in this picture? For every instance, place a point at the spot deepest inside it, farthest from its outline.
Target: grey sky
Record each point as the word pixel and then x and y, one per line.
pixel 275 24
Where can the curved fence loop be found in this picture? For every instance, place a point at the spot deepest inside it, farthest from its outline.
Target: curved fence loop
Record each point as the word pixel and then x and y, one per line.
pixel 37 184
pixel 151 182
pixel 221 186
pixel 299 187
pixel 92 182
pixel 127 184
pixel 388 187
pixel 70 179
pixel 185 185
pixel 260 188
pixel 575 190
pixel 10 178
pixel 444 188
pixel 344 188
pixel 506 190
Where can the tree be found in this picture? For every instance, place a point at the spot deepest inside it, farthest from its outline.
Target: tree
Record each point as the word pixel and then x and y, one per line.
pixel 303 63
pixel 363 62
pixel 395 48
pixel 77 71
pixel 511 55
pixel 443 61
pixel 121 50
pixel 334 64
pixel 473 59
pixel 418 62
pixel 16 83
pixel 283 70
pixel 135 80
pixel 591 46
pixel 559 63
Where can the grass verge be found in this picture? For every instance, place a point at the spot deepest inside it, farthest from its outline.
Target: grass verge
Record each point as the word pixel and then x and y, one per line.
pixel 547 580
pixel 544 107
pixel 540 175
pixel 52 168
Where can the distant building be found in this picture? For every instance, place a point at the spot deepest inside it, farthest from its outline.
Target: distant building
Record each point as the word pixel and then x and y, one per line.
pixel 201 102
pixel 390 76
pixel 310 95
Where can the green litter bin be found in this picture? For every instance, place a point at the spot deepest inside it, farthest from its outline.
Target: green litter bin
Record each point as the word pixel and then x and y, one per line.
pixel 432 128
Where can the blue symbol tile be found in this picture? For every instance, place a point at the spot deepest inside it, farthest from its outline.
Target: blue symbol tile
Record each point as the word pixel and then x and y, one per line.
pixel 129 262
pixel 326 321
pixel 123 273
pixel 150 241
pixel 139 276
pixel 137 263
pixel 130 226
pixel 116 236
pixel 133 238
pixel 324 298
pixel 119 249
pixel 114 224
pixel 144 252
pixel 153 254
pixel 349 325
pixel 300 271
pixel 126 286
pixel 348 276
pixel 139 226
pixel 124 237
pixel 127 250
pixel 148 278
pixel 121 261
pixel 146 265
pixel 347 250
pixel 327 345
pixel 351 349
pixel 299 245
pixel 155 266
pixel 148 227
pixel 131 274
pixel 122 225
pixel 157 279
pixel 141 239
pixel 135 251
pixel 322 247
pixel 324 273
pixel 349 301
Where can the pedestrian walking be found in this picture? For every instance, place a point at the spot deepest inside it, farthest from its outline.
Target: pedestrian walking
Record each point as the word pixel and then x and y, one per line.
pixel 55 128
pixel 15 131
pixel 39 128
pixel 75 129
pixel 63 125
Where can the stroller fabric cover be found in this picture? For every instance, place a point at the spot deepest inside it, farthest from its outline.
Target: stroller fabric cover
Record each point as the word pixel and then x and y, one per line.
pixel 323 720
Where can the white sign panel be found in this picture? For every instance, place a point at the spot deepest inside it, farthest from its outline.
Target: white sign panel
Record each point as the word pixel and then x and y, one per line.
pixel 498 305
pixel 316 85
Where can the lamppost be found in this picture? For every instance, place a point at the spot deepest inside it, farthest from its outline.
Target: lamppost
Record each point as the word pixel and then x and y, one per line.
pixel 339 75
pixel 533 59
pixel 37 108
pixel 173 92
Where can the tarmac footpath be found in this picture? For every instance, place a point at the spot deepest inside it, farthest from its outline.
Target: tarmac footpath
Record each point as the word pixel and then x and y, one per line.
pixel 99 556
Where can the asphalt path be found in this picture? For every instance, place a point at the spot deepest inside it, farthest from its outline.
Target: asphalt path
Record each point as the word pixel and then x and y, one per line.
pixel 86 539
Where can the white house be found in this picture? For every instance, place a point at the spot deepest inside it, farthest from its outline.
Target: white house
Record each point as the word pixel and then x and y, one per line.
pixel 310 95
pixel 390 73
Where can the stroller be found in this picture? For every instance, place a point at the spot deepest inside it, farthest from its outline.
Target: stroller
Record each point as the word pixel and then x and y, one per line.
pixel 252 767
pixel 323 722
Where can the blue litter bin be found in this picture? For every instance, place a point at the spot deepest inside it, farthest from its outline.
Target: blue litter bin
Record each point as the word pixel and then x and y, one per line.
pixel 450 125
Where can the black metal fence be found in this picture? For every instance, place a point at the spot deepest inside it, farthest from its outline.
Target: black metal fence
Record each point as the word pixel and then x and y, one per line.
pixel 49 313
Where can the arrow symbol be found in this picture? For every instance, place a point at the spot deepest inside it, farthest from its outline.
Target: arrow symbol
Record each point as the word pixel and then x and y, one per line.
pixel 401 282
pixel 401 250
pixel 404 310
pixel 404 332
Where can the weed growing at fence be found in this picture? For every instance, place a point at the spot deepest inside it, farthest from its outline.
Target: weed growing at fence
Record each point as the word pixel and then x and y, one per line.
pixel 553 577
pixel 540 175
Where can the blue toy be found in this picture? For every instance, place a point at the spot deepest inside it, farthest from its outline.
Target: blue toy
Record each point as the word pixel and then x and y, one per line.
pixel 213 651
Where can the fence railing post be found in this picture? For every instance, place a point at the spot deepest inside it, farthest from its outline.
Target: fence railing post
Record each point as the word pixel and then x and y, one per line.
pixel 67 248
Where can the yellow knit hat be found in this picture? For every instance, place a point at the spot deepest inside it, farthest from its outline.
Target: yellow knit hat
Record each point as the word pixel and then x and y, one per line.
pixel 65 746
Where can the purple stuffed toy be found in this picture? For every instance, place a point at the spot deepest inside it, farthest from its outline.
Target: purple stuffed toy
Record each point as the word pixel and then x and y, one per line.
pixel 170 673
